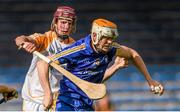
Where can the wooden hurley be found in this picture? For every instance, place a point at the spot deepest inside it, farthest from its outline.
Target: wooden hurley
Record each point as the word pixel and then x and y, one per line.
pixel 92 90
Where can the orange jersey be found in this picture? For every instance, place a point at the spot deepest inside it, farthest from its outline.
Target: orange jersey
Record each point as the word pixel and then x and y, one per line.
pixel 50 41
pixel 48 44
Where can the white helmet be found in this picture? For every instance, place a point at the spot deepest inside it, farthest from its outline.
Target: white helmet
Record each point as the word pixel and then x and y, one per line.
pixel 103 27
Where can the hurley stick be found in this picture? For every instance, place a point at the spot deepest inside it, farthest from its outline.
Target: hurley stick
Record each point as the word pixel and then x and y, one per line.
pixel 92 90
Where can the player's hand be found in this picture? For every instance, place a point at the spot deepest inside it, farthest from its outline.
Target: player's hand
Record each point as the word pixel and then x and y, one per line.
pixel 10 94
pixel 156 87
pixel 120 63
pixel 29 46
pixel 23 42
pixel 48 101
pixel 20 40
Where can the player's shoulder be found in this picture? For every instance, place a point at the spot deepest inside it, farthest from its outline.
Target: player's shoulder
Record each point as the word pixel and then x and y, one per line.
pixel 69 40
pixel 81 41
pixel 36 35
pixel 50 34
pixel 77 46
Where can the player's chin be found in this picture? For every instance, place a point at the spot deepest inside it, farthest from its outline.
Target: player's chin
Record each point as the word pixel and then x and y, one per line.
pixel 63 32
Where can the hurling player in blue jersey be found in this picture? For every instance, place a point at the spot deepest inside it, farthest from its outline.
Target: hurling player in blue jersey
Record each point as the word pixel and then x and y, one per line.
pixel 88 59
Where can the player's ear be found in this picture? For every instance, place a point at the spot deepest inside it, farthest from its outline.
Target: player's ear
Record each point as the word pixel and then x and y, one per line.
pixel 94 36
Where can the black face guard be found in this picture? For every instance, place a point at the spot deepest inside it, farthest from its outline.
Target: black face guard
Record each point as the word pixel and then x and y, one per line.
pixel 63 37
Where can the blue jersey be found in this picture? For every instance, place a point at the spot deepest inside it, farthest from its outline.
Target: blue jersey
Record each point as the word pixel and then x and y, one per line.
pixel 86 64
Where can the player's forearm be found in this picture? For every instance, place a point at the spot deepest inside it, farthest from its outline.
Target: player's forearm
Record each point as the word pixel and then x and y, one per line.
pixel 109 72
pixel 21 39
pixel 139 63
pixel 43 72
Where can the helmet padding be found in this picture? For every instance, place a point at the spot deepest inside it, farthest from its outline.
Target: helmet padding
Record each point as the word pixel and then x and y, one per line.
pixel 103 27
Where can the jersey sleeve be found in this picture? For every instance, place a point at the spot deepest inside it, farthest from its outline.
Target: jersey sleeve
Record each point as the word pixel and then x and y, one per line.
pixel 42 40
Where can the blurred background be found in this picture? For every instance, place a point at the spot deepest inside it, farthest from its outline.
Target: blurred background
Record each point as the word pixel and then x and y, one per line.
pixel 152 27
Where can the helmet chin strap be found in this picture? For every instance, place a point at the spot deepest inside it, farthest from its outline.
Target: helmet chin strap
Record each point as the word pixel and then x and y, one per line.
pixel 63 37
pixel 95 48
